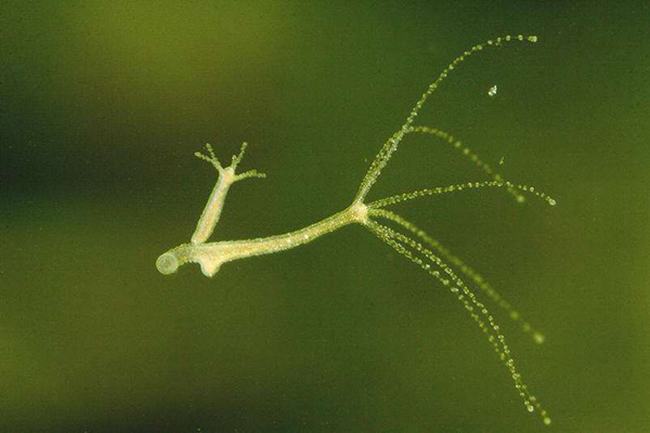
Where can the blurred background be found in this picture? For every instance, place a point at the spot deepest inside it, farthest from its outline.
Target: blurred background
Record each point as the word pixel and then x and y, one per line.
pixel 102 105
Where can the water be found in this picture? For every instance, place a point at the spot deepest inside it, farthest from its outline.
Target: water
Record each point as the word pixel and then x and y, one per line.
pixel 104 105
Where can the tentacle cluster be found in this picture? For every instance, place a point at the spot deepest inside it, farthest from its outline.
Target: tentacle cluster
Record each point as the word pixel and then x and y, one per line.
pixel 431 263
pixel 236 159
pixel 390 146
pixel 428 253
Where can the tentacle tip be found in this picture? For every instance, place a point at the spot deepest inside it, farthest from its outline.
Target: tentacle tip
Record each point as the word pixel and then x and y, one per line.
pixel 532 38
pixel 547 420
pixel 539 338
pixel 552 201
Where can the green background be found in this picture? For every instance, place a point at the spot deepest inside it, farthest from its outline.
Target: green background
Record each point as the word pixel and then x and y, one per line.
pixel 102 105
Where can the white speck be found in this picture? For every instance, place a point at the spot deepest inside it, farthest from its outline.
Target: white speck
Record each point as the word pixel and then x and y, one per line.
pixel 493 91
